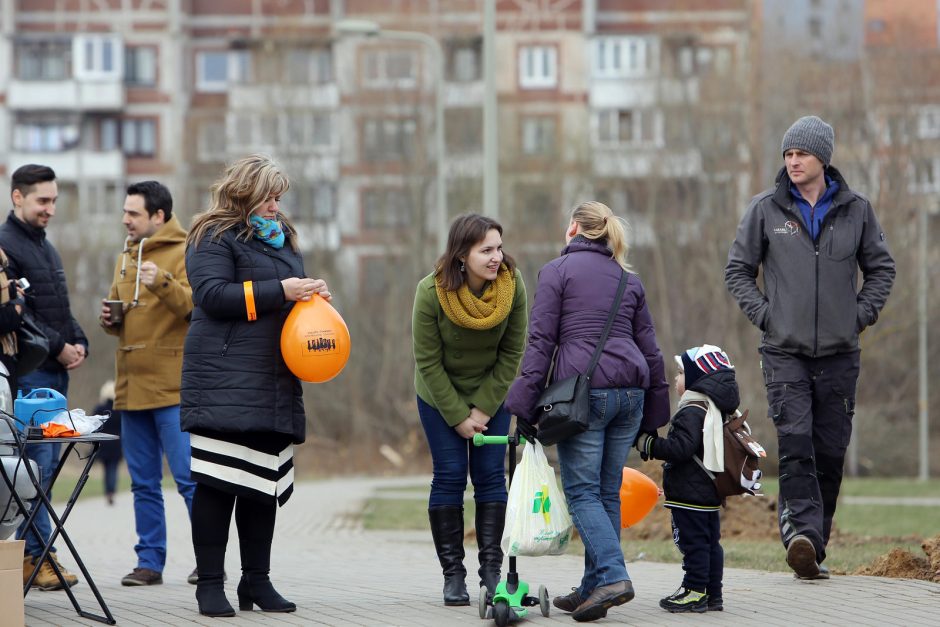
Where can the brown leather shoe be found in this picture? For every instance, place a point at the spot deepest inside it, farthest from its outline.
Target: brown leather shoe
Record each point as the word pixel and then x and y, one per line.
pixel 801 557
pixel 602 599
pixel 569 602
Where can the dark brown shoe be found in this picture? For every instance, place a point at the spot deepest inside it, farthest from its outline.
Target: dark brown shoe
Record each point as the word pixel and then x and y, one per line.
pixel 569 602
pixel 142 577
pixel 602 599
pixel 801 557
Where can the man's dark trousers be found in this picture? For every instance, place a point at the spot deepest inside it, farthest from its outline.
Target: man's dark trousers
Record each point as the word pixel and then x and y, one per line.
pixel 811 401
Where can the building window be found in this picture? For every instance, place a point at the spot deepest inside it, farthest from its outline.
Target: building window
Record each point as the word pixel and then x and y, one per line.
pixel 638 127
pixel 386 208
pixel 211 141
pixel 311 202
pixel 619 57
pixel 108 136
pixel 464 130
pixel 388 139
pixel 538 135
pixel 43 60
pixel 139 137
pixel 464 61
pixel 309 66
pixel 306 130
pixel 140 66
pixel 538 67
pixel 97 57
pixel 928 123
pixel 389 68
pixel 45 135
pixel 216 70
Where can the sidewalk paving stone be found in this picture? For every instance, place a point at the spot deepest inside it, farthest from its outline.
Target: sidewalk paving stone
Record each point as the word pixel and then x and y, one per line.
pixel 339 574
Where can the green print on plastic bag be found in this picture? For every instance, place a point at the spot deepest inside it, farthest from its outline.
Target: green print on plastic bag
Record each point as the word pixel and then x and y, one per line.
pixel 543 504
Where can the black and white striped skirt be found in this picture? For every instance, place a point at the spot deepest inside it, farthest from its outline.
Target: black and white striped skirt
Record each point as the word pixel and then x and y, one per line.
pixel 258 466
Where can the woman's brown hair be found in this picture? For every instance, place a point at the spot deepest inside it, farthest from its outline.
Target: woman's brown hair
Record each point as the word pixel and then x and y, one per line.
pixel 465 231
pixel 244 186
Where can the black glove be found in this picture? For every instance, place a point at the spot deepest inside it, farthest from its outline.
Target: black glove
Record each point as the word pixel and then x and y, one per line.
pixel 644 444
pixel 526 429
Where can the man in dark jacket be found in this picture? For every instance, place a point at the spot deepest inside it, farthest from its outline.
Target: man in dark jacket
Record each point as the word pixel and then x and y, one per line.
pixel 811 234
pixel 708 391
pixel 32 256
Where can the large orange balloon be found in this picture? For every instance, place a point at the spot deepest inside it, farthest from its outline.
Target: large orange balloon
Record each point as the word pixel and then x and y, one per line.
pixel 315 341
pixel 638 495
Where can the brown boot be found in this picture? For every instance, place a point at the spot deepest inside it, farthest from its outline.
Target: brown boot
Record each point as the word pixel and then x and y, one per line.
pixel 28 568
pixel 69 577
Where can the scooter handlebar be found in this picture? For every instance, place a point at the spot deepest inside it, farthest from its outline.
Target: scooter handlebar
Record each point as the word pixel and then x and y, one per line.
pixel 480 440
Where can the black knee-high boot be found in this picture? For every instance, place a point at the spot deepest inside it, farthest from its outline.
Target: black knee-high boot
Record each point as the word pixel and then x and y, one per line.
pixel 489 520
pixel 447 530
pixel 255 522
pixel 212 515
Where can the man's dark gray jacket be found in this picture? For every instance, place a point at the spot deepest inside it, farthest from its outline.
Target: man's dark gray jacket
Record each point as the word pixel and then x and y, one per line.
pixel 811 304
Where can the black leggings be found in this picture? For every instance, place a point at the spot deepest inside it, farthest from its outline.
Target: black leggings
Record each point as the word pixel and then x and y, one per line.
pixel 212 517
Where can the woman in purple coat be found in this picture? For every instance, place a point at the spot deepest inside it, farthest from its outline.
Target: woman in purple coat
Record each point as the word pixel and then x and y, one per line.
pixel 629 393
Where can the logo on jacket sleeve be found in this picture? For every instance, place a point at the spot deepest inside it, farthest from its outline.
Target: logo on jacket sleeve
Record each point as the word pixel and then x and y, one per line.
pixel 790 227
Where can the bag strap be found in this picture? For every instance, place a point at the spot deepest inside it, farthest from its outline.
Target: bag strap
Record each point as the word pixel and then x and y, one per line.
pixel 610 322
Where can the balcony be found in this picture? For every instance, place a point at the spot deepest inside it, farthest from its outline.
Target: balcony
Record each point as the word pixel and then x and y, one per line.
pixel 74 165
pixel 317 236
pixel 277 97
pixel 463 94
pixel 68 95
pixel 646 162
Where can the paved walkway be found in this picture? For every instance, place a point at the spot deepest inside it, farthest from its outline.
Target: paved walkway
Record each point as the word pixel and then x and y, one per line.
pixel 339 574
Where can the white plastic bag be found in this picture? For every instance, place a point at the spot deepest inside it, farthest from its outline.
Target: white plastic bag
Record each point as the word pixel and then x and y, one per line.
pixel 77 420
pixel 537 520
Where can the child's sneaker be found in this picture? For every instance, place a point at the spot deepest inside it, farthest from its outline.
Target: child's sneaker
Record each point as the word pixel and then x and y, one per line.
pixel 685 600
pixel 715 604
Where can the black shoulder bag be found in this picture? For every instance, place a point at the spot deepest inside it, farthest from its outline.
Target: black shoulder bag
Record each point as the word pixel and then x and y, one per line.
pixel 32 345
pixel 564 408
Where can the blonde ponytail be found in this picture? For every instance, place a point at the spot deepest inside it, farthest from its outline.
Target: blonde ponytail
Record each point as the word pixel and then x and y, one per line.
pixel 598 222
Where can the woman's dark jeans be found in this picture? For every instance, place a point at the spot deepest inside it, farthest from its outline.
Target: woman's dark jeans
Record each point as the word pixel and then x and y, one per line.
pixel 453 456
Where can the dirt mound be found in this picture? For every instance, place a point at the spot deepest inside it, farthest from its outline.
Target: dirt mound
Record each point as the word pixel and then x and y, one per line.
pixel 905 565
pixel 743 518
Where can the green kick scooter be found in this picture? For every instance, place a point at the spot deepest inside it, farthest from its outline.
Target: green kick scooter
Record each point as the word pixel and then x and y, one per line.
pixel 511 599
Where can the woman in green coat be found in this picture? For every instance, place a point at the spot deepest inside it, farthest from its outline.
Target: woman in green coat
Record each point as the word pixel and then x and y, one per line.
pixel 469 328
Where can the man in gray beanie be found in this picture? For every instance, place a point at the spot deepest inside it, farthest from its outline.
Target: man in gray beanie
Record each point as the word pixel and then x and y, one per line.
pixel 811 233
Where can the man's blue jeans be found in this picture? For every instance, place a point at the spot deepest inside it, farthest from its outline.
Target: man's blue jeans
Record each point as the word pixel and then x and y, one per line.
pixel 452 455
pixel 592 473
pixel 46 457
pixel 145 436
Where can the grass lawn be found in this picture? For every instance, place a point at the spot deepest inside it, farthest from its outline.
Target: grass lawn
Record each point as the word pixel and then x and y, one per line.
pixel 864 531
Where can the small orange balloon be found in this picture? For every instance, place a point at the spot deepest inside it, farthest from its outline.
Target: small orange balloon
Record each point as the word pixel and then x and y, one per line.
pixel 315 341
pixel 638 496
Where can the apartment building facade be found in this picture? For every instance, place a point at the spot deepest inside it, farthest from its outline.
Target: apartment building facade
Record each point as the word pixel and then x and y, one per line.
pixel 625 101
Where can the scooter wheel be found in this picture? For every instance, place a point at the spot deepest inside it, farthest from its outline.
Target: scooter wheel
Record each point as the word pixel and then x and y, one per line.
pixel 543 601
pixel 501 613
pixel 482 603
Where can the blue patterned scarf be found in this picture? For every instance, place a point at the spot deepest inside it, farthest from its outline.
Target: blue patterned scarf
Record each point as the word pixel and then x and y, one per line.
pixel 268 231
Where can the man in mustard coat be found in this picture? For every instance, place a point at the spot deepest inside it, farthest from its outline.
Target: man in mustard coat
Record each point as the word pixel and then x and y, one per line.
pixel 156 302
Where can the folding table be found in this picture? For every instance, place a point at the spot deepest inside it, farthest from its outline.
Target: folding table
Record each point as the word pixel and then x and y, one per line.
pixel 19 441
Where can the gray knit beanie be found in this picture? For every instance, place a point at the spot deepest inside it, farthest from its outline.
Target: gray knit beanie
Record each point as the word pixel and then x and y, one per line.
pixel 811 135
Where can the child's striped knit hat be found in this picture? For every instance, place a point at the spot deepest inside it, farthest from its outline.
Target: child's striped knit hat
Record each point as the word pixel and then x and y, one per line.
pixel 700 361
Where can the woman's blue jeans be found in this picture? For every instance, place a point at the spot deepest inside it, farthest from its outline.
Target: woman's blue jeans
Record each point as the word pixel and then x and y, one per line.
pixel 453 455
pixel 592 473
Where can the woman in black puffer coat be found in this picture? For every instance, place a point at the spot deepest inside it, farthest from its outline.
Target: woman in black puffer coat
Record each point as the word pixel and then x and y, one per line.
pixel 240 403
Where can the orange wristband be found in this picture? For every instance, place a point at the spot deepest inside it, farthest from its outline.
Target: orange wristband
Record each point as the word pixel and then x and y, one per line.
pixel 250 301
